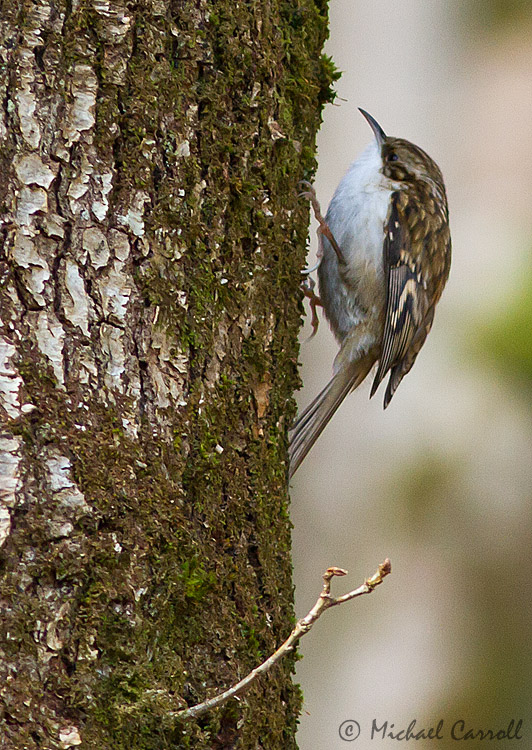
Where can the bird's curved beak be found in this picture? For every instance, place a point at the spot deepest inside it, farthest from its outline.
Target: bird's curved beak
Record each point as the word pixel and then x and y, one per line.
pixel 380 135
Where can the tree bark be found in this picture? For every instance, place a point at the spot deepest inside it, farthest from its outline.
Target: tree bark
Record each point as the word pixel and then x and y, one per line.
pixel 152 241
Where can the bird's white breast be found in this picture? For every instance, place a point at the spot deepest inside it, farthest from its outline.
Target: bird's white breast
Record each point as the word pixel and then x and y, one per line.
pixel 356 218
pixel 359 208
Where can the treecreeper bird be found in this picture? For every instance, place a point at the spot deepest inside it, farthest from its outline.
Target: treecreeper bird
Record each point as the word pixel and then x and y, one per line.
pixel 384 259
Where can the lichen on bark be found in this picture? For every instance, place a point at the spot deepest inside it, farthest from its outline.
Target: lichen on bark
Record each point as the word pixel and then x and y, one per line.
pixel 152 240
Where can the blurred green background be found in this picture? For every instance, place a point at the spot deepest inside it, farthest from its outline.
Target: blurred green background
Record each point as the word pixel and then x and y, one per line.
pixel 442 482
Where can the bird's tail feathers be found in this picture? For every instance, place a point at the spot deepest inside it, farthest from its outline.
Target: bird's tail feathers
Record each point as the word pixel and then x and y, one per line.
pixel 311 423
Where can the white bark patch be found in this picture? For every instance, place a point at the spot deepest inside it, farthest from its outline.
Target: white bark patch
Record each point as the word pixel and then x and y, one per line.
pixel 88 368
pixel 3 127
pixel 212 372
pixel 26 102
pixel 113 347
pixel 31 170
pixel 85 650
pixel 5 524
pixel 183 149
pixel 47 636
pixel 9 465
pixel 59 529
pixel 53 641
pixel 30 201
pixel 50 340
pixel 119 244
pixel 53 226
pixel 100 208
pixel 26 256
pixel 79 186
pixel 181 298
pixel 161 391
pixel 118 20
pixel 115 289
pixel 37 18
pixel 9 481
pixel 130 428
pixel 95 243
pixel 78 311
pixel 10 381
pixel 77 189
pixel 167 367
pixel 63 486
pixel 134 216
pixel 59 467
pixel 80 115
pixel 69 737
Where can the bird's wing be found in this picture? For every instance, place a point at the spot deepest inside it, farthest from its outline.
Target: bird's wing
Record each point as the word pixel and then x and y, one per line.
pixel 408 310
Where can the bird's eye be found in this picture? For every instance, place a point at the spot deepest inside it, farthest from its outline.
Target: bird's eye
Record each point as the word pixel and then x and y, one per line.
pixel 392 157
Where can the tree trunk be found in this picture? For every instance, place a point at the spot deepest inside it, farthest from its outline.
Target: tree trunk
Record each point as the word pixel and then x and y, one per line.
pixel 152 240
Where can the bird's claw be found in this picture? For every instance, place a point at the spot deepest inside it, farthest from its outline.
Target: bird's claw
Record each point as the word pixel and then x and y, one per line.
pixel 307 271
pixel 323 228
pixel 307 286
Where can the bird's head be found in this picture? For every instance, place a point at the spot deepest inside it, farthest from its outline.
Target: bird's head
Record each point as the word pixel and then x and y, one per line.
pixel 402 161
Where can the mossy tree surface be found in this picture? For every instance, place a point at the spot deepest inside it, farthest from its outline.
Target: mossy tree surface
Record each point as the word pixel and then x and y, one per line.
pixel 152 241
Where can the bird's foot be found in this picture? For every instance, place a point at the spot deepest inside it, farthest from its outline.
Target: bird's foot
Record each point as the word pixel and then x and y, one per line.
pixel 323 228
pixel 307 285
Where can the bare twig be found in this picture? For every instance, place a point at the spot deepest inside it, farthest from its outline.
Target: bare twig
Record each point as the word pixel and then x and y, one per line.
pixel 325 601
